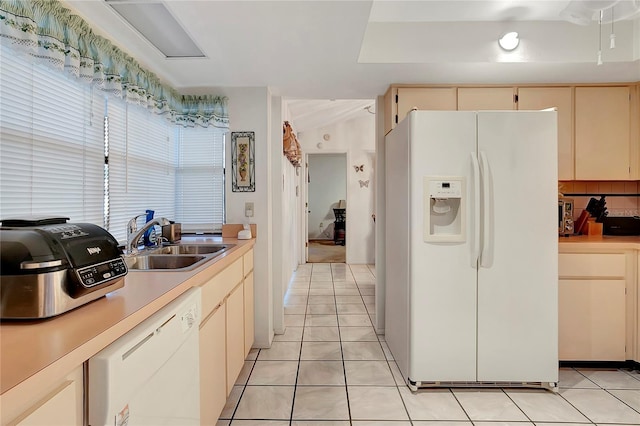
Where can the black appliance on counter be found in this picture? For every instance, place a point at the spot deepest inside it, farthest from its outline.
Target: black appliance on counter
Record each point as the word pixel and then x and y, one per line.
pixel 49 266
pixel 621 226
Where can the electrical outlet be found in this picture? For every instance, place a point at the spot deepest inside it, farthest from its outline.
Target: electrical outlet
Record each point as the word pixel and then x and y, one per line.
pixel 248 209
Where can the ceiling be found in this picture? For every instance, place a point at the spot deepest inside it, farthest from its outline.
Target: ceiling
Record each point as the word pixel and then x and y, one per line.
pixel 354 49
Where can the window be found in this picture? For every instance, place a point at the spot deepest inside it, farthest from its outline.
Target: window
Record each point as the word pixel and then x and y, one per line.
pixel 200 179
pixel 141 165
pixel 56 134
pixel 51 155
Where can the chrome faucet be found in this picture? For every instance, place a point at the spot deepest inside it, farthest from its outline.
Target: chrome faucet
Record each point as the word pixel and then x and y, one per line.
pixel 132 226
pixel 133 235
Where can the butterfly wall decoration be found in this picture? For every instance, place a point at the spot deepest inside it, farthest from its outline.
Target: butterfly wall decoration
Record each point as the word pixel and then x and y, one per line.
pixel 364 183
pixel 359 168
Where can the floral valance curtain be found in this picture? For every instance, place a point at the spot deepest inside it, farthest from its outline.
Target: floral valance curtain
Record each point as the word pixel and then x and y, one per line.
pixel 50 32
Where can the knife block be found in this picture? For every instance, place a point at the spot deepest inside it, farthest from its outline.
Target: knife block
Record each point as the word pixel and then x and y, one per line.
pixel 593 227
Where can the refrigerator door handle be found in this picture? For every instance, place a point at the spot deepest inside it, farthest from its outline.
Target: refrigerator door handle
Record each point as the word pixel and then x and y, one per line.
pixel 485 254
pixel 475 246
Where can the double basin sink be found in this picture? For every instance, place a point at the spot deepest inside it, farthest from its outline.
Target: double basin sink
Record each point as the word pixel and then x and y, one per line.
pixel 175 256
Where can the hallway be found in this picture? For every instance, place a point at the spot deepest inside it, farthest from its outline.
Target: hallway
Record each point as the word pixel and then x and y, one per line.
pixel 326 251
pixel 331 369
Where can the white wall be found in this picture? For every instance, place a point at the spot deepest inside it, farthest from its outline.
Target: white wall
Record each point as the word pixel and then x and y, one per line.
pixel 290 223
pixel 327 186
pixel 249 110
pixel 356 137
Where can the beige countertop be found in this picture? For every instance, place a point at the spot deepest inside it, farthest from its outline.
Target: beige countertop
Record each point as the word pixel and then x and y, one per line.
pixel 42 350
pixel 598 242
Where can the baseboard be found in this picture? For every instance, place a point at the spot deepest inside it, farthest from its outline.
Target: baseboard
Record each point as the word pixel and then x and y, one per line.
pixel 635 365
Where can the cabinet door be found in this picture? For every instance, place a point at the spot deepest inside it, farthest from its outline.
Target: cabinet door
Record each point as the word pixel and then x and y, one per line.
pixel 485 98
pixel 213 372
pixel 602 133
pixel 62 406
pixel 537 98
pixel 591 320
pixel 235 335
pixel 57 409
pixel 248 313
pixel 427 98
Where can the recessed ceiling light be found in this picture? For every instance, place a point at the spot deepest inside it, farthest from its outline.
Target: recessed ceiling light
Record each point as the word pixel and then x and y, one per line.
pixel 509 41
pixel 155 23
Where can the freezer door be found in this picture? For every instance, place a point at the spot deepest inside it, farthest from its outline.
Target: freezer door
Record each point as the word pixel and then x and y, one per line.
pixel 518 277
pixel 443 279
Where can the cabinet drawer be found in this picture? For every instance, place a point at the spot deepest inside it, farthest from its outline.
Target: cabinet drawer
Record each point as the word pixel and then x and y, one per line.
pixel 247 260
pixel 218 287
pixel 576 265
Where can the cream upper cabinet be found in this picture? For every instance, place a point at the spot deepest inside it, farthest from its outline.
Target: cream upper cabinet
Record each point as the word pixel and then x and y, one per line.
pixel 602 125
pixel 399 101
pixel 485 98
pixel 635 132
pixel 427 98
pixel 537 98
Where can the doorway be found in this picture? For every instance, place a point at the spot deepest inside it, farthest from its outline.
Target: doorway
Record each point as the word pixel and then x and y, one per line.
pixel 326 208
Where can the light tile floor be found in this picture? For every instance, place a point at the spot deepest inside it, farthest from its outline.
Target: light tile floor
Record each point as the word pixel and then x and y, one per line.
pixel 330 368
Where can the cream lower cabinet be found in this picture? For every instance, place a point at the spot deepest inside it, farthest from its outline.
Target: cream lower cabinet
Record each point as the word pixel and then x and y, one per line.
pixel 222 336
pixel 249 305
pixel 213 371
pixel 61 406
pixel 592 320
pixel 592 305
pixel 235 335
pixel 249 327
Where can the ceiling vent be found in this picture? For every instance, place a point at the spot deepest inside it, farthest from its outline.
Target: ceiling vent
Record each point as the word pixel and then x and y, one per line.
pixel 155 23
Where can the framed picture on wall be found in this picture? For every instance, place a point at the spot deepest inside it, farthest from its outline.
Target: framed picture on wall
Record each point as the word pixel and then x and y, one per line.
pixel 242 162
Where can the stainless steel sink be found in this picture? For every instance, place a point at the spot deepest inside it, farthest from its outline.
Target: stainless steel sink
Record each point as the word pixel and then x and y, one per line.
pixel 175 256
pixel 152 261
pixel 192 249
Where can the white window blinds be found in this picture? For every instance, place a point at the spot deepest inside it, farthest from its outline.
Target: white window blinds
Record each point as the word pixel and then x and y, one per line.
pixel 51 155
pixel 55 133
pixel 200 179
pixel 141 165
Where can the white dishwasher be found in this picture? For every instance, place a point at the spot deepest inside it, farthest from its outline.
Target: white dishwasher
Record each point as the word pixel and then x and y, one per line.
pixel 150 376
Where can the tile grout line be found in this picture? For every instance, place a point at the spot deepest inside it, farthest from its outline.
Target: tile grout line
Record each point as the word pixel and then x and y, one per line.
pixel 295 386
pixel 460 404
pixel 404 405
pixel 344 367
pixel 607 391
pixel 514 403
pixel 569 402
pixel 244 387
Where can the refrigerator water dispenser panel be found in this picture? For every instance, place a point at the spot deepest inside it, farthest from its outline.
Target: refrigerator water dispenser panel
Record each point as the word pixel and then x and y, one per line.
pixel 444 212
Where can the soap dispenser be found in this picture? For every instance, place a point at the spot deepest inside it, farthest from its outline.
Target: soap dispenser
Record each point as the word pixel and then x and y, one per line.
pixel 245 233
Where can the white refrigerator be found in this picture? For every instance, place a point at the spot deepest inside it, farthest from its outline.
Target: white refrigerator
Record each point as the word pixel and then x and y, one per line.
pixel 472 248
